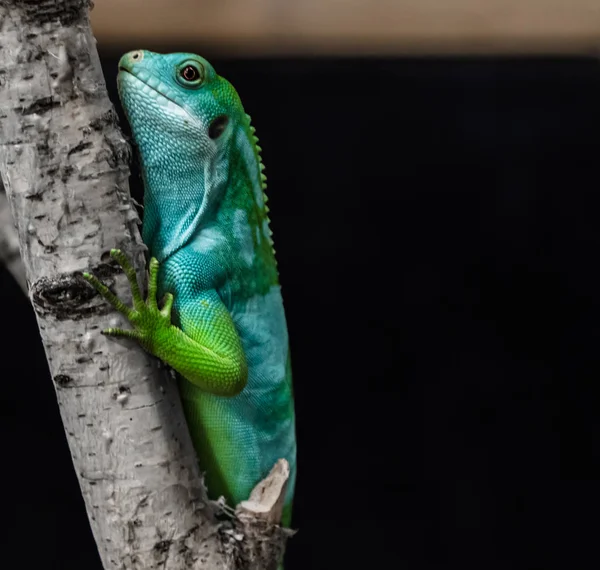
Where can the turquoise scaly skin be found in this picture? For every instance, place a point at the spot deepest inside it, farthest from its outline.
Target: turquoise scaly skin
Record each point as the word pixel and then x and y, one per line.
pixel 222 326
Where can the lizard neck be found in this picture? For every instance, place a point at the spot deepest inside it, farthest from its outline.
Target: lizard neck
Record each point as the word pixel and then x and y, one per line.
pixel 189 201
pixel 178 197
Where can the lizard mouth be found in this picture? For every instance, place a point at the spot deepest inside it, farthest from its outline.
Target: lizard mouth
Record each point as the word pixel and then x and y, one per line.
pixel 123 69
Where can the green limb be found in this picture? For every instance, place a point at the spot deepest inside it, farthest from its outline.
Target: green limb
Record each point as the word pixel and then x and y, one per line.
pixel 211 356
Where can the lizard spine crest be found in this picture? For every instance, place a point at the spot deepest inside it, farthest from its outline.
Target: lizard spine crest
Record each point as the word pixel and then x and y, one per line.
pixel 263 180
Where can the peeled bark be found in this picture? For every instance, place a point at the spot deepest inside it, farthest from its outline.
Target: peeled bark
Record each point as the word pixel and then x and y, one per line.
pixel 64 165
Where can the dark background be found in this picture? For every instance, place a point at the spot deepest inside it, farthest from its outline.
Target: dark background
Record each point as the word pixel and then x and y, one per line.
pixel 436 224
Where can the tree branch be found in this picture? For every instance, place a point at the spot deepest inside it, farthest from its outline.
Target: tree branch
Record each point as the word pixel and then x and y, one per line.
pixel 64 166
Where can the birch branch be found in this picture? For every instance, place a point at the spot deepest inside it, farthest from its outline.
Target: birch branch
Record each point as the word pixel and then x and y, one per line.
pixel 9 243
pixel 64 166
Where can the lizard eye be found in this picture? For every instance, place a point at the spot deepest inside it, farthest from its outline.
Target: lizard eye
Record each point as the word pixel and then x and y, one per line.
pixel 217 126
pixel 191 74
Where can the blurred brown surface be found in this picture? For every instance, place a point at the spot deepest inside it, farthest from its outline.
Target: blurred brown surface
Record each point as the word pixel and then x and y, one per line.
pixel 353 26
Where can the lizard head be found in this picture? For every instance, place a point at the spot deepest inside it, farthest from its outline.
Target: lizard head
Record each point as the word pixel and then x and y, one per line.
pixel 193 138
pixel 177 104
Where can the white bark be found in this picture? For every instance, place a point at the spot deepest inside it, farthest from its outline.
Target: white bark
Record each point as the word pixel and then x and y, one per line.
pixel 64 166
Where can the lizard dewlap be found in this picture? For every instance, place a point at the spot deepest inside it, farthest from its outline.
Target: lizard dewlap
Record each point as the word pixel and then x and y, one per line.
pixel 222 324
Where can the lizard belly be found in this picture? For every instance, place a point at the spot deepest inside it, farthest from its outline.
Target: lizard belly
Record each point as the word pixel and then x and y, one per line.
pixel 239 439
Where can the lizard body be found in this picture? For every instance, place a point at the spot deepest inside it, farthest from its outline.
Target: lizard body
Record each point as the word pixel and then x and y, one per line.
pixel 206 226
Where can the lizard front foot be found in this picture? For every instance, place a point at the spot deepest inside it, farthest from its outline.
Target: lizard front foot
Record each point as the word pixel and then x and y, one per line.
pixel 149 322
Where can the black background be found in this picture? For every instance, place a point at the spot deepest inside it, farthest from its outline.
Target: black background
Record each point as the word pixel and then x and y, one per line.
pixel 436 225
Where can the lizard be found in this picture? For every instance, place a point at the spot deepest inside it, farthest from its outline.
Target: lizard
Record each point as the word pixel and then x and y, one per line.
pixel 221 324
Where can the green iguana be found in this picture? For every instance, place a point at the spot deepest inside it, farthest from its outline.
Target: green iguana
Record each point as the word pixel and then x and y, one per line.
pixel 222 326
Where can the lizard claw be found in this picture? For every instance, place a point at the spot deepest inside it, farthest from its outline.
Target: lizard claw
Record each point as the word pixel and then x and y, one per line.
pixel 145 317
pixel 121 333
pixel 108 295
pixel 129 271
pixel 167 305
